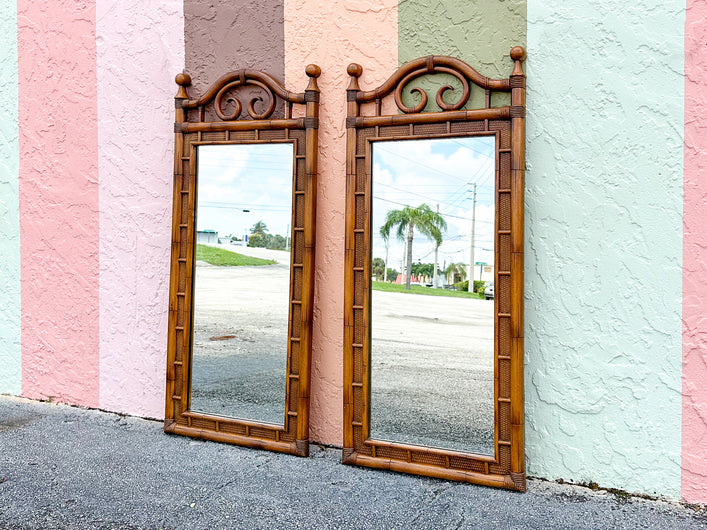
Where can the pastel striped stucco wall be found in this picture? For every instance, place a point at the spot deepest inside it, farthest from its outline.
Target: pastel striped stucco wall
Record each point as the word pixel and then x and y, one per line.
pixel 616 337
pixel 95 112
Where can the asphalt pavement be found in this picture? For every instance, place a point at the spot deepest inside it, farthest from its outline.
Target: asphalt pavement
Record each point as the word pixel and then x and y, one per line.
pixel 68 467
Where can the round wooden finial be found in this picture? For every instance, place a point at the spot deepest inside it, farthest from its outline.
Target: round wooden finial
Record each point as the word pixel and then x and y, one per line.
pixel 182 79
pixel 518 53
pixel 312 70
pixel 354 70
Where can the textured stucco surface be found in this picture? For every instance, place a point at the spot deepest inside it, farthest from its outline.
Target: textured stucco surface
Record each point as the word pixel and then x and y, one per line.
pixel 332 35
pixel 58 200
pixel 603 243
pixel 615 277
pixel 480 33
pixel 10 353
pixel 140 47
pixel 224 36
pixel 694 441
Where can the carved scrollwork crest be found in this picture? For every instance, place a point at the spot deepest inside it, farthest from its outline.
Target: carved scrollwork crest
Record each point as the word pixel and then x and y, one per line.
pixel 466 91
pixel 427 66
pixel 245 89
pixel 230 94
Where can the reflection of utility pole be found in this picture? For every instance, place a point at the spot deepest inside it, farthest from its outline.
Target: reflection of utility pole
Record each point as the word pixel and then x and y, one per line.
pixel 471 254
pixel 434 273
pixel 245 234
pixel 287 237
pixel 385 265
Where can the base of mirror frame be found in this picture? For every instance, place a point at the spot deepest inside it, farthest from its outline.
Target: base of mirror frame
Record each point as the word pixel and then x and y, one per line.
pixel 512 481
pixel 297 447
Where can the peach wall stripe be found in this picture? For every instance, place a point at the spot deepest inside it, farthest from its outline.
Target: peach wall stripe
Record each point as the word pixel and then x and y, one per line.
pixel 140 49
pixel 694 378
pixel 58 200
pixel 332 35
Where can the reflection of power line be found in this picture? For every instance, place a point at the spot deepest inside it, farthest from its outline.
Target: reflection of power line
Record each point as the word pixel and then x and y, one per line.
pixel 256 207
pixel 418 163
pixel 418 194
pixel 446 214
pixel 426 249
pixel 451 253
pixel 488 174
pixel 453 239
pixel 277 172
pixel 438 185
pixel 454 141
pixel 463 250
pixel 461 191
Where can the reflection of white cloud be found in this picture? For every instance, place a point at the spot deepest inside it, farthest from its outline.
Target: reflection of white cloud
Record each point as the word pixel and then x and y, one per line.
pixel 437 172
pixel 254 177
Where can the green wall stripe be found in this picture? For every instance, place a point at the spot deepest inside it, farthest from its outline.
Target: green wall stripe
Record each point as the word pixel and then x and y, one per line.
pixel 479 33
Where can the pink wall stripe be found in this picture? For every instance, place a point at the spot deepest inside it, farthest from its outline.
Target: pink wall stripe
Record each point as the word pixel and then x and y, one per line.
pixel 140 50
pixel 58 200
pixel 332 35
pixel 694 410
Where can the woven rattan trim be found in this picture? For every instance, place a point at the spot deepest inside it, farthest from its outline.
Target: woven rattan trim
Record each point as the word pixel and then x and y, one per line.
pixel 517 111
pixel 517 81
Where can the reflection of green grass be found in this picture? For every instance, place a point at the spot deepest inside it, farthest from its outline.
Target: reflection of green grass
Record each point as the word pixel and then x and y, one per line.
pixel 418 289
pixel 219 256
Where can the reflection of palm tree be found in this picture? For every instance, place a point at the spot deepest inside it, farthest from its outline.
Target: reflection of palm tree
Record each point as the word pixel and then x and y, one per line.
pixel 259 228
pixel 455 271
pixel 422 218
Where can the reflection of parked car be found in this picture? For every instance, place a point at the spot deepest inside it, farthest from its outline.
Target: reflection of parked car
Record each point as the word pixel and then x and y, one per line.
pixel 488 292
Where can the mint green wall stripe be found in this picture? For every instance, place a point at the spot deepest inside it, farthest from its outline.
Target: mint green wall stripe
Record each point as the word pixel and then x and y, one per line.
pixel 604 242
pixel 10 361
pixel 480 33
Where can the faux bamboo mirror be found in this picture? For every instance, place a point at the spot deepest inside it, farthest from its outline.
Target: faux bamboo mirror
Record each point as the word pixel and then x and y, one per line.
pixel 433 371
pixel 241 283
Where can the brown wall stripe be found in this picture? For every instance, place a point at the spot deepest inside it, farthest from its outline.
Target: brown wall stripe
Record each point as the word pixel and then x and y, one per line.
pixel 223 36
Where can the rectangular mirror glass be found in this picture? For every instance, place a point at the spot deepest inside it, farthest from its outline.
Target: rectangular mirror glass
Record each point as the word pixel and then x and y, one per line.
pixel 432 307
pixel 242 280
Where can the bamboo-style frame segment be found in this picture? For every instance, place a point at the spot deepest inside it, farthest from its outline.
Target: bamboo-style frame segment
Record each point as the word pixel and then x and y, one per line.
pixel 506 468
pixel 192 128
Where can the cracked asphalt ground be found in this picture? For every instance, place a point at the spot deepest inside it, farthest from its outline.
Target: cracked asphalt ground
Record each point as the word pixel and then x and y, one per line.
pixel 67 467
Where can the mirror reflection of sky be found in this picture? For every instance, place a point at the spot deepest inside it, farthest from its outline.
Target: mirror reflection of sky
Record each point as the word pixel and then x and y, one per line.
pixel 241 184
pixel 442 172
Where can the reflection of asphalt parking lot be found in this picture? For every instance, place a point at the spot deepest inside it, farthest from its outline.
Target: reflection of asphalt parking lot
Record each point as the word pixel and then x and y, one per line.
pixel 432 371
pixel 432 380
pixel 240 341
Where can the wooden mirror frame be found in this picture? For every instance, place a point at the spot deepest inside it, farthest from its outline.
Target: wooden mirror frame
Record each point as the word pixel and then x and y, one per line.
pixel 506 468
pixel 220 103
